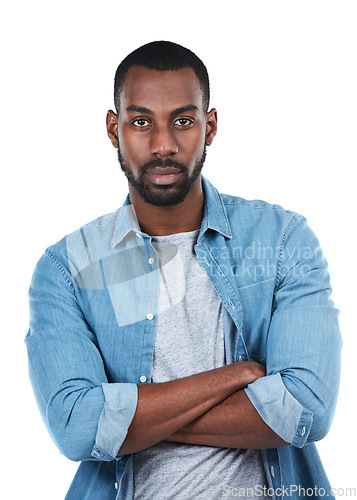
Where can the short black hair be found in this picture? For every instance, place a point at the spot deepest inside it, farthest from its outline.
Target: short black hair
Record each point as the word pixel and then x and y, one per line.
pixel 162 56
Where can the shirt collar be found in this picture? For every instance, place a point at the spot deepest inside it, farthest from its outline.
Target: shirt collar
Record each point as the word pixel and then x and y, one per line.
pixel 215 216
pixel 125 222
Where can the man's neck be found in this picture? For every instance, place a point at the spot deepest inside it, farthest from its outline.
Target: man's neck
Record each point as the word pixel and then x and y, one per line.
pixel 161 221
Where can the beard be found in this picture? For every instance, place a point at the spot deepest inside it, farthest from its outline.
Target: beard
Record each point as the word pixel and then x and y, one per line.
pixel 163 195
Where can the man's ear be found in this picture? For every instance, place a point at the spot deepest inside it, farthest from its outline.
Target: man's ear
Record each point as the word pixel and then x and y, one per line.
pixel 112 127
pixel 211 126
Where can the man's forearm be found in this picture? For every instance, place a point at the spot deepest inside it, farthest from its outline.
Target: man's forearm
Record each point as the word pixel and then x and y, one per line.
pixel 233 423
pixel 165 408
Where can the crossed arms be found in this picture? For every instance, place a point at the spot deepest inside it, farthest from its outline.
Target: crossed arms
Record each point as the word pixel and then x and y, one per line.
pixel 205 409
pixel 238 405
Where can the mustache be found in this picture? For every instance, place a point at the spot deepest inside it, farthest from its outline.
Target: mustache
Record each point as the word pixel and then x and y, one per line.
pixel 161 162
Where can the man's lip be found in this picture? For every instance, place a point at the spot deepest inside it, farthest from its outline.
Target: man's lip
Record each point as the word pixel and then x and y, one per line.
pixel 164 178
pixel 163 170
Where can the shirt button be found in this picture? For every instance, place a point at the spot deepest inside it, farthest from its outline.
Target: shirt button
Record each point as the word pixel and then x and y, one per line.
pixel 303 430
pixel 231 304
pixel 272 471
pixel 116 485
pixel 151 260
pixel 149 316
pixel 143 378
pixel 206 261
pixel 138 235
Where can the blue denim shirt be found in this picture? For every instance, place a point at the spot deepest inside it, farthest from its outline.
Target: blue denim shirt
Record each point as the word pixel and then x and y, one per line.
pixel 93 311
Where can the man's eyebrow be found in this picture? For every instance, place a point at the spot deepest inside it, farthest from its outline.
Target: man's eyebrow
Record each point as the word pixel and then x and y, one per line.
pixel 177 111
pixel 139 109
pixel 183 109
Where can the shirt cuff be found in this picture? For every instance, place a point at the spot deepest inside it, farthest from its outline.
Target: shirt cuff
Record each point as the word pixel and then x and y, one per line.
pixel 280 410
pixel 118 412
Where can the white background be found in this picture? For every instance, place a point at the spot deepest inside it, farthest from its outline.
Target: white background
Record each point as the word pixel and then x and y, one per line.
pixel 283 79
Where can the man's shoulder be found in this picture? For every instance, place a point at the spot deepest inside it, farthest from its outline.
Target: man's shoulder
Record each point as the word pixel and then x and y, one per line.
pixel 254 204
pixel 256 209
pixel 102 223
pixel 88 235
pixel 256 219
pixel 244 214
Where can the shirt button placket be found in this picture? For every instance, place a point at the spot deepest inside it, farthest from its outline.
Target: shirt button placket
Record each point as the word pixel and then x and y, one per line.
pixel 149 316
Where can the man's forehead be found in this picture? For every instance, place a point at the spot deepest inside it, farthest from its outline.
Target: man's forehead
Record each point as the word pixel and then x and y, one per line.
pixel 178 87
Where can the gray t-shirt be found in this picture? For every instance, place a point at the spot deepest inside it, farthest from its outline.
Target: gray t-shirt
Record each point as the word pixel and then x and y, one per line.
pixel 190 339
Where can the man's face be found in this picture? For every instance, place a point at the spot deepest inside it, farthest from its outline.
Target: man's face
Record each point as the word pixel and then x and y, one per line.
pixel 161 131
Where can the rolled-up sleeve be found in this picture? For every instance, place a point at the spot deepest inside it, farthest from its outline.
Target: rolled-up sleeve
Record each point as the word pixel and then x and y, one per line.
pixel 297 398
pixel 87 417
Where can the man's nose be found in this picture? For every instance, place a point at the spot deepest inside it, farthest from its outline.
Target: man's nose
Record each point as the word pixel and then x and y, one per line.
pixel 163 141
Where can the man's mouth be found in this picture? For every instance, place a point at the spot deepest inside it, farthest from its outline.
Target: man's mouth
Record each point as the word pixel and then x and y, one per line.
pixel 164 175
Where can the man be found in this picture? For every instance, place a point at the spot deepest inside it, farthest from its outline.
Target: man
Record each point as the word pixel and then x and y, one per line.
pixel 185 346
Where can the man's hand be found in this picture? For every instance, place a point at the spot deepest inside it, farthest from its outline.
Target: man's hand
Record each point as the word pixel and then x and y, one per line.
pixel 254 370
pixel 167 407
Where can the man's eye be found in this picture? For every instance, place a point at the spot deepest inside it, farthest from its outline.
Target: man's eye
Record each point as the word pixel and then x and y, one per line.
pixel 183 122
pixel 140 122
